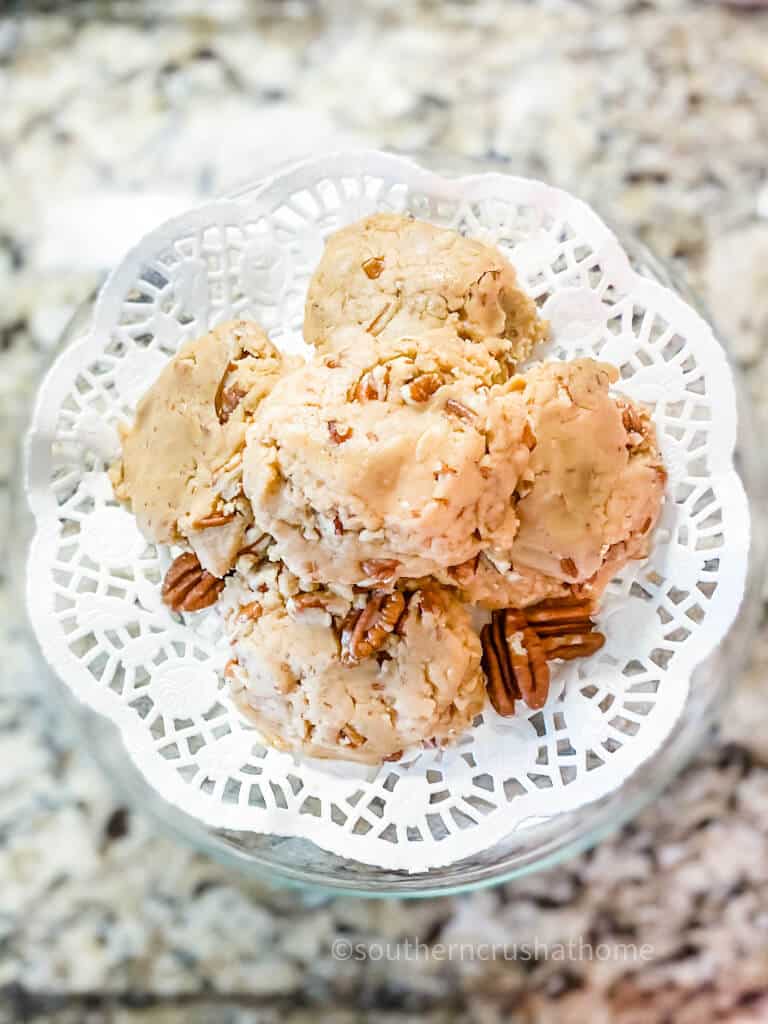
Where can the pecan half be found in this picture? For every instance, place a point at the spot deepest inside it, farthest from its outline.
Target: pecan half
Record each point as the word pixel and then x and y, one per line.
pixel 500 685
pixel 364 632
pixel 559 610
pixel 424 386
pixel 187 587
pixel 572 645
pixel 515 662
pixel 517 644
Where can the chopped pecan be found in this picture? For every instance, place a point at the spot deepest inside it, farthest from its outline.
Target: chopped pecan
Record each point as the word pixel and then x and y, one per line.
pixel 525 484
pixel 311 599
pixel 339 432
pixel 187 587
pixel 350 737
pixel 371 388
pixel 230 399
pixel 424 386
pixel 214 519
pixel 528 437
pixel 256 547
pixel 452 405
pixel 430 599
pixel 382 318
pixel 381 570
pixel 465 572
pixel 364 632
pixel 631 419
pixel 373 267
pixel 250 612
pixel 227 399
pixel 568 566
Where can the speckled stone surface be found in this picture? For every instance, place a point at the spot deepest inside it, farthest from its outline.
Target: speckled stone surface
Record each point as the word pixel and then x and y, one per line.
pixel 658 110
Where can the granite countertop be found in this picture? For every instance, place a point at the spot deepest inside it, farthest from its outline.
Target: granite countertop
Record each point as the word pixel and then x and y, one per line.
pixel 114 113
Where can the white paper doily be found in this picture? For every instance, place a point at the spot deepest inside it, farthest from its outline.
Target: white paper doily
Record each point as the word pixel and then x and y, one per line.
pixel 94 595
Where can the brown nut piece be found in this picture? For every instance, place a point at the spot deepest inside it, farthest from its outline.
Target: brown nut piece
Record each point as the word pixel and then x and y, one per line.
pixel 464 573
pixel 568 566
pixel 515 662
pixel 187 587
pixel 572 645
pixel 214 519
pixel 228 401
pixel 364 632
pixel 381 570
pixel 429 599
pixel 500 683
pixel 350 737
pixel 424 386
pixel 559 611
pixel 310 599
pixel 339 432
pixel 456 408
pixel 382 318
pixel 565 628
pixel 518 644
pixel 256 548
pixel 373 267
pixel 371 388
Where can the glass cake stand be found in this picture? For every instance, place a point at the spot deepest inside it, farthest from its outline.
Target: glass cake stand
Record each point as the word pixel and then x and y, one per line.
pixel 297 862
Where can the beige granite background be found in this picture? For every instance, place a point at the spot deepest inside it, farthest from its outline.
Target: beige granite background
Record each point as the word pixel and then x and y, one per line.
pixel 114 115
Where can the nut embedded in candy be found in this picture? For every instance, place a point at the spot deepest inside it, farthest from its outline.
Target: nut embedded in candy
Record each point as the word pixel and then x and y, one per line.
pixel 364 632
pixel 363 678
pixel 424 386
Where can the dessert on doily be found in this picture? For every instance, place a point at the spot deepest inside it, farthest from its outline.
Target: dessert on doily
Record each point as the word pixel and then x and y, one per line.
pixel 348 513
